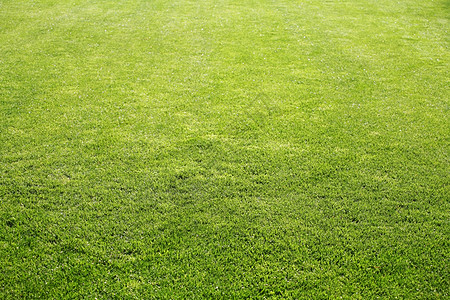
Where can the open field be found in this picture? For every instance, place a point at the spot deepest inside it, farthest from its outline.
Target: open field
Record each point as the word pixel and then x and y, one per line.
pixel 224 149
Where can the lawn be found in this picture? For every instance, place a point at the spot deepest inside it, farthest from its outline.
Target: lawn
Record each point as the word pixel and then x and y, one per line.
pixel 224 149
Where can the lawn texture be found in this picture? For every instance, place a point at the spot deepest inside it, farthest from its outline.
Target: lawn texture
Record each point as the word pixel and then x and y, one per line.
pixel 226 149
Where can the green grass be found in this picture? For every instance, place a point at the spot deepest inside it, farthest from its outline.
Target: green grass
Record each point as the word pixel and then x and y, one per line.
pixel 224 149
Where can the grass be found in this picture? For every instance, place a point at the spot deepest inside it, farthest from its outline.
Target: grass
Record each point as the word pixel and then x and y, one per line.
pixel 224 149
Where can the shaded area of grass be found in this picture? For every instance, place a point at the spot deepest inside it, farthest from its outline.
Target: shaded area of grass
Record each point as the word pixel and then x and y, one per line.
pixel 227 149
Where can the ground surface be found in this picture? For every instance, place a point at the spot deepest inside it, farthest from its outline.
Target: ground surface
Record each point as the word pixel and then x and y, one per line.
pixel 224 149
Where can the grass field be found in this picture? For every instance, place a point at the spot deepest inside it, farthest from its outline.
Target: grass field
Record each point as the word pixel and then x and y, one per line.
pixel 224 149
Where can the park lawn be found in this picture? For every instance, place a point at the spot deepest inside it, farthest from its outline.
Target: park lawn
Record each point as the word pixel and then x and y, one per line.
pixel 224 149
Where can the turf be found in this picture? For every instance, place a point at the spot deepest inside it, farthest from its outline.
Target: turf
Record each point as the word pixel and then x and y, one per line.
pixel 224 149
